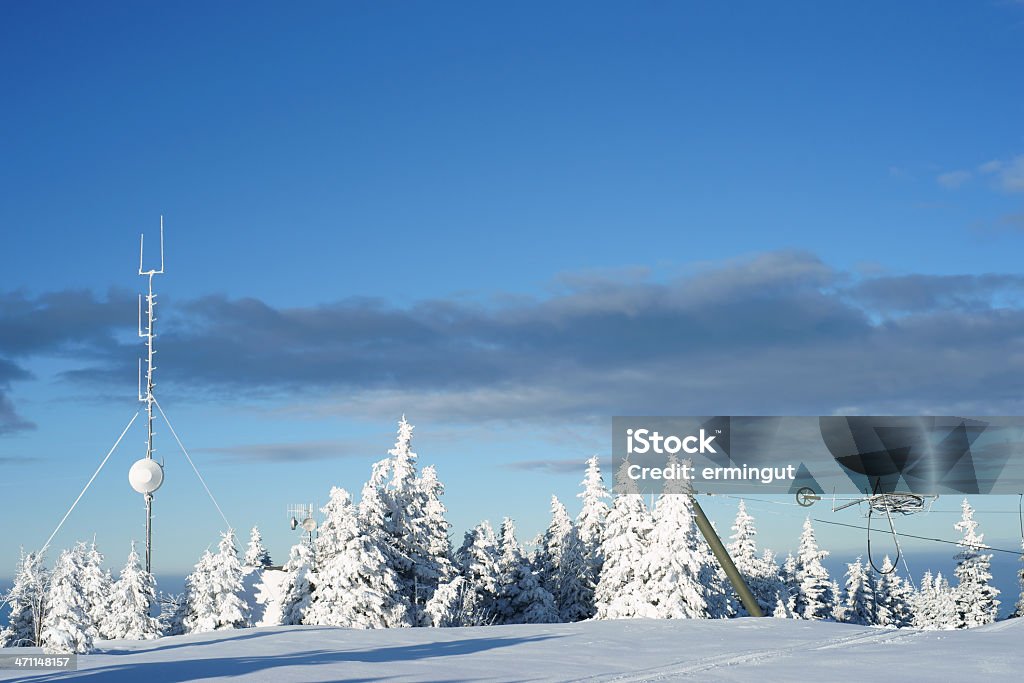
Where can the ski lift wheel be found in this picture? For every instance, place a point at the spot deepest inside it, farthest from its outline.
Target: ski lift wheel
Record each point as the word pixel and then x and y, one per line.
pixel 806 496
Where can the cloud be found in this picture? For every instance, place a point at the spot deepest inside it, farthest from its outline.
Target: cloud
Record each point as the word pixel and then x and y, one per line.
pixel 303 451
pixel 934 293
pixel 563 466
pixel 1009 174
pixel 13 461
pixel 69 322
pixel 953 179
pixel 10 421
pixel 1006 223
pixel 772 333
pixel 1014 221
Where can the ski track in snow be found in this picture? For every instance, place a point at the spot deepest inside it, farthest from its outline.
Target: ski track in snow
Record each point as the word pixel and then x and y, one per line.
pixel 683 669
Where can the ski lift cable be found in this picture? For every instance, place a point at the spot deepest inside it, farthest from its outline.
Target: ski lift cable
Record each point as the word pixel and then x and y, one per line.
pixel 189 458
pixel 89 483
pixel 930 511
pixel 892 530
pixel 1020 515
pixel 757 500
pixel 927 538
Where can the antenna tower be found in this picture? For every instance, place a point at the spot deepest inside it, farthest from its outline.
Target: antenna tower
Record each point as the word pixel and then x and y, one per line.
pixel 146 475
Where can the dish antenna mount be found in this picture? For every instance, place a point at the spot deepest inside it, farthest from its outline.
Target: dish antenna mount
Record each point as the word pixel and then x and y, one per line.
pixel 300 517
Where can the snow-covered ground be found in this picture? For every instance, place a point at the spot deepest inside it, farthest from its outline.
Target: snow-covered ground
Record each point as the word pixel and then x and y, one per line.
pixel 636 650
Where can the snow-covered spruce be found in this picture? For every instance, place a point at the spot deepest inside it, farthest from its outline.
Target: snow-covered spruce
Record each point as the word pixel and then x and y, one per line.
pixel 521 597
pixel 173 610
pixel 590 527
pixel 67 624
pixel 406 520
pixel 892 598
pixel 256 554
pixel 296 592
pixel 561 566
pixel 445 608
pixel 199 607
pixel 815 597
pixel 760 572
pixel 975 596
pixel 672 565
pixel 98 585
pixel 620 593
pixel 353 585
pixel 214 589
pixel 132 602
pixel 477 559
pixel 437 545
pixel 934 605
pixel 1019 611
pixel 27 600
pixel 857 605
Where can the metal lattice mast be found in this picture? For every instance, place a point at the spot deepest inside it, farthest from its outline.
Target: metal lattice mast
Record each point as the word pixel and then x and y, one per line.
pixel 149 334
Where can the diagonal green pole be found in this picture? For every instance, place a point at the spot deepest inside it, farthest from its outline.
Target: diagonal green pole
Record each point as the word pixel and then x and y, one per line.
pixel 722 555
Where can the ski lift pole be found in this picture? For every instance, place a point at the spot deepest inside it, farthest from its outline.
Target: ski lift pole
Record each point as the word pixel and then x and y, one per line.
pixel 722 555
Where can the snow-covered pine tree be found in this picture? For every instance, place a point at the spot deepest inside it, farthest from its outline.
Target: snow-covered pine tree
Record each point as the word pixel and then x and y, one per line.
pixel 858 600
pixel 722 601
pixel 373 508
pixel 407 514
pixel 445 608
pixel 742 545
pixel 760 572
pixel 27 599
pixel 256 554
pixel 436 544
pixel 132 602
pixel 575 597
pixel 97 585
pixel 548 558
pixel 353 586
pixel 789 599
pixel 1019 612
pixel 560 565
pixel 946 615
pixel 892 598
pixel 214 590
pixel 200 616
pixel 815 592
pixel 620 593
pixel 231 611
pixel 173 610
pixel 67 625
pixel 673 566
pixel 521 597
pixel 975 596
pixel 296 592
pixel 406 519
pixel 590 525
pixel 478 563
pixel 923 604
pixel 934 606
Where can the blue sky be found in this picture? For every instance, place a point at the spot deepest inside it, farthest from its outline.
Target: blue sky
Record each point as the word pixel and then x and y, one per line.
pixel 507 222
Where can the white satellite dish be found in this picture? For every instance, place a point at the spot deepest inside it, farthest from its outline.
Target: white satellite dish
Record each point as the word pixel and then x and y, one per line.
pixel 146 475
pixel 308 524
